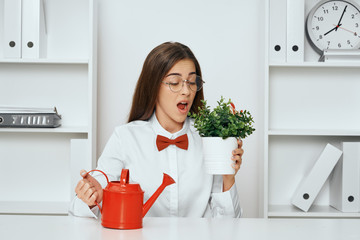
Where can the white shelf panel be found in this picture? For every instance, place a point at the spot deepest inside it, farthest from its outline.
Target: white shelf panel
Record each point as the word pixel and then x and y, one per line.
pixel 314 212
pixel 65 78
pixel 39 207
pixel 45 61
pixel 68 129
pixel 314 132
pixel 317 64
pixel 313 98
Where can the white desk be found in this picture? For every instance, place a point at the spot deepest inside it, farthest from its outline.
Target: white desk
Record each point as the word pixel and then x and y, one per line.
pixel 69 227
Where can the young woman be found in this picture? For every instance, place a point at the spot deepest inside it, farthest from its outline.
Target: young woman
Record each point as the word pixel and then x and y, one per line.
pixel 169 86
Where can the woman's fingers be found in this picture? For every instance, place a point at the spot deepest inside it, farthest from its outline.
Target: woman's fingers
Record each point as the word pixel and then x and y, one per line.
pixel 83 173
pixel 238 151
pixel 91 180
pixel 240 143
pixel 88 189
pixel 237 156
pixel 237 159
pixel 85 190
pixel 237 162
pixel 92 199
pixel 79 186
pixel 89 193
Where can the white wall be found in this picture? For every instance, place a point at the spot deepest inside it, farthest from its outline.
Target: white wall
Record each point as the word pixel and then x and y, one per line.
pixel 227 37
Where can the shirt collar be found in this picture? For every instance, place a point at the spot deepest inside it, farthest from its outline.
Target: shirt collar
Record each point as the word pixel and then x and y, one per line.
pixel 159 130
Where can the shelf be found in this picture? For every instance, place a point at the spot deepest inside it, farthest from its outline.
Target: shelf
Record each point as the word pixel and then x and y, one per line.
pixel 314 212
pixel 314 132
pixel 69 129
pixel 317 64
pixel 308 104
pixel 45 61
pixel 38 207
pixel 50 158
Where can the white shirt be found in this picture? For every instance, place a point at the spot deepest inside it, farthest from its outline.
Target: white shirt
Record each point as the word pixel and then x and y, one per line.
pixel 195 193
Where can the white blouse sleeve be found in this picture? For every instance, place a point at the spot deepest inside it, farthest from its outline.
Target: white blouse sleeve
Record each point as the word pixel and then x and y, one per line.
pixel 223 204
pixel 110 162
pixel 81 209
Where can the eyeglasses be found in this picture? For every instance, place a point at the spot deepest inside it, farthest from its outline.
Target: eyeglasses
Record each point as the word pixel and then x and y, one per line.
pixel 195 83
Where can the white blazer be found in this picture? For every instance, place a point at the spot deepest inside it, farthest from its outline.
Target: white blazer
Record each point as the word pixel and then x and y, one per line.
pixel 195 193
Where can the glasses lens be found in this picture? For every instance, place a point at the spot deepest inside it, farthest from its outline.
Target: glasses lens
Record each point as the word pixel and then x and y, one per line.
pixel 175 83
pixel 195 83
pixel 199 83
pixel 192 82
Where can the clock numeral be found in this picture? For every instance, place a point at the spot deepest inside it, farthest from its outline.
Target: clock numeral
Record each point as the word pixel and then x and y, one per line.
pixel 356 25
pixel 317 28
pixel 335 8
pixel 326 11
pixel 352 16
pixel 320 19
pixel 348 42
pixel 320 36
pixel 339 45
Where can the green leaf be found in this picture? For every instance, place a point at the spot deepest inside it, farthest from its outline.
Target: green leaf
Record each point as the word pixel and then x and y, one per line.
pixel 221 122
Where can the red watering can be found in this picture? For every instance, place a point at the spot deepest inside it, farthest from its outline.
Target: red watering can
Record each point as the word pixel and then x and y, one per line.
pixel 123 206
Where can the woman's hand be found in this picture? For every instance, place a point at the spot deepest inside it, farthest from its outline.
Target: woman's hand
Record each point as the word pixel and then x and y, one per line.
pixel 89 190
pixel 229 180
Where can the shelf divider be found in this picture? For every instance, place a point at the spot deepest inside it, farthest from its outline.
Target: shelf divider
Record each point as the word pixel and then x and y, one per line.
pixel 316 211
pixel 44 61
pixel 314 132
pixel 352 64
pixel 35 207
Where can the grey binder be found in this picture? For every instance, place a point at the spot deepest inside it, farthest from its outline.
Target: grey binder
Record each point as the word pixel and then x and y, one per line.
pixel 29 118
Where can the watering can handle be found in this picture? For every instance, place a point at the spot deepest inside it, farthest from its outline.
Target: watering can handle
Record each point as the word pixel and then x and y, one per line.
pixel 124 178
pixel 107 179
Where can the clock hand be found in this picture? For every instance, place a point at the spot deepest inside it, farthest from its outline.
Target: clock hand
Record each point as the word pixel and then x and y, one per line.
pixel 338 25
pixel 347 30
pixel 335 28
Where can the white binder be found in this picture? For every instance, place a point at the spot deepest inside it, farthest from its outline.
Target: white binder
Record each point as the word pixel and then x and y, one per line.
pixel 277 31
pixel 310 186
pixel 12 29
pixel 295 31
pixel 345 182
pixel 34 42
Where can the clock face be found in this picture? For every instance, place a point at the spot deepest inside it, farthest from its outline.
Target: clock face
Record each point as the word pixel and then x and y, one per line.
pixel 334 25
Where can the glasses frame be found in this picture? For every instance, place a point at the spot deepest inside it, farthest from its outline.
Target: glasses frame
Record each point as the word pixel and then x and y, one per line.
pixel 183 83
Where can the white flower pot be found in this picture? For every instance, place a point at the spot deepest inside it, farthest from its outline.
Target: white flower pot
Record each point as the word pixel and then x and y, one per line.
pixel 217 153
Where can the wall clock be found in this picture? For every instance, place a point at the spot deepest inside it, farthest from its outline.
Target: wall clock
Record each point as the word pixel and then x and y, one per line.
pixel 334 24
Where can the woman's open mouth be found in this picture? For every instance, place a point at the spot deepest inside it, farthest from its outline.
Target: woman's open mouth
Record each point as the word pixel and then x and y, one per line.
pixel 182 106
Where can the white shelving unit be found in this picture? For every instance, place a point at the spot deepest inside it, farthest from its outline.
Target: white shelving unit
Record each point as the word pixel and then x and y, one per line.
pixel 307 105
pixel 40 167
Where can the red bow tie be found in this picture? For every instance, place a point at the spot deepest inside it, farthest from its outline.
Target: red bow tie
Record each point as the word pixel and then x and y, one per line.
pixel 163 142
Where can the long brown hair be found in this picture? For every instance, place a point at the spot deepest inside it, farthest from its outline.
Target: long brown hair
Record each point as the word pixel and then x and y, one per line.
pixel 159 62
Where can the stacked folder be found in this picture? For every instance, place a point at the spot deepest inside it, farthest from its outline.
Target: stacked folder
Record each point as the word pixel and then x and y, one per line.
pixel 24 29
pixel 12 29
pixel 344 182
pixel 286 31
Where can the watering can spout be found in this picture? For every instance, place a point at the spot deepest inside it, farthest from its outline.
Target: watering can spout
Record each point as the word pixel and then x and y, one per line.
pixel 167 180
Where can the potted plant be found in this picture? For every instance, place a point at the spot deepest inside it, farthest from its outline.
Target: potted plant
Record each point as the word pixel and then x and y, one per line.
pixel 220 128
